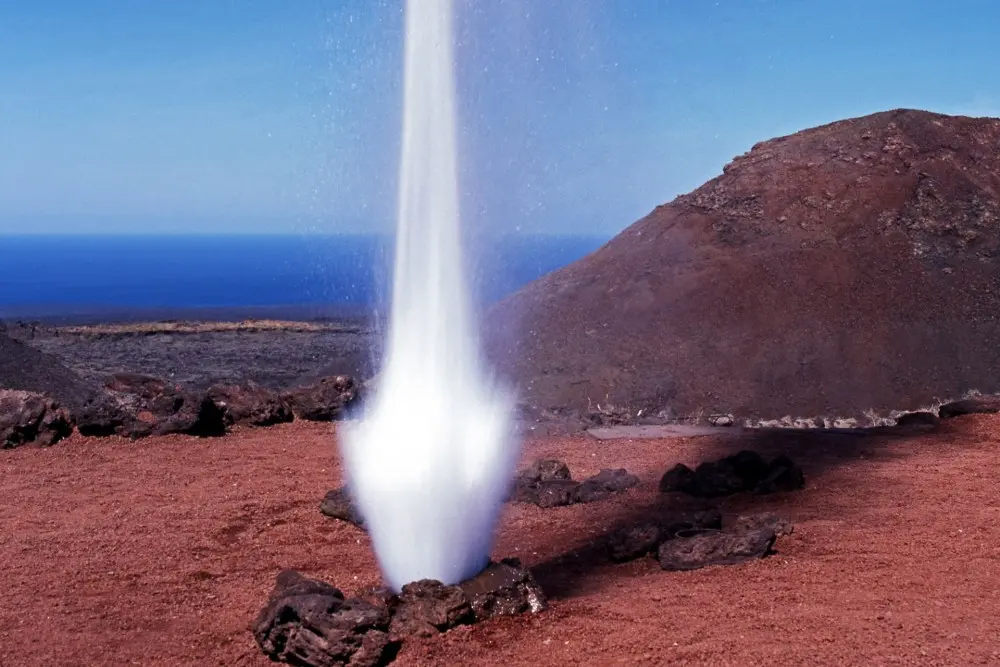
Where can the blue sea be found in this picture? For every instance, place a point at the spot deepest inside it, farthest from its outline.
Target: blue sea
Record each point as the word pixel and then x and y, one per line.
pixel 109 277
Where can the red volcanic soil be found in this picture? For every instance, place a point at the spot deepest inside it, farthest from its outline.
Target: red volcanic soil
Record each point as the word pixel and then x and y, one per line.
pixel 161 552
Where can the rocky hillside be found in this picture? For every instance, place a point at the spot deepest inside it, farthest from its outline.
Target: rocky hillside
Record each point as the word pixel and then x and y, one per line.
pixel 849 267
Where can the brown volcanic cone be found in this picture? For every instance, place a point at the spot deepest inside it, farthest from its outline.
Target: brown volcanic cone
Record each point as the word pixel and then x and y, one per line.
pixel 846 267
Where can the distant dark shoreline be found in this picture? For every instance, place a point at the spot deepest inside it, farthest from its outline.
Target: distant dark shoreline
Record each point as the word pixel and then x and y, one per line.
pixel 77 316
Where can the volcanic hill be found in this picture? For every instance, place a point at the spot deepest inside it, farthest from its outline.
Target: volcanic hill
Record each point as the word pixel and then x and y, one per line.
pixel 841 269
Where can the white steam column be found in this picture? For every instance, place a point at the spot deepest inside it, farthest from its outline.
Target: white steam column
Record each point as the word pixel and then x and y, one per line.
pixel 431 464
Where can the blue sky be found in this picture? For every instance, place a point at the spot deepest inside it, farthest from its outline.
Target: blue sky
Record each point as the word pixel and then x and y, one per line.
pixel 578 116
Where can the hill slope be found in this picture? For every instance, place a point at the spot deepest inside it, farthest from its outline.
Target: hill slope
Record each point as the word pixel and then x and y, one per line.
pixel 845 267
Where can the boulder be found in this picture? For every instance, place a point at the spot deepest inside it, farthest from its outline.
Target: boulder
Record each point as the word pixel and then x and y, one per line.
pixel 604 484
pixel 703 548
pixel 547 483
pixel 504 589
pixel 249 405
pixel 137 405
pixel 325 400
pixel 310 624
pixel 425 608
pixel 643 538
pixel 739 473
pixel 768 520
pixel 29 417
pixel 782 475
pixel 917 420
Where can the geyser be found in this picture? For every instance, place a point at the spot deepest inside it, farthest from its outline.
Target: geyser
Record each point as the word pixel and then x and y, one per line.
pixel 431 463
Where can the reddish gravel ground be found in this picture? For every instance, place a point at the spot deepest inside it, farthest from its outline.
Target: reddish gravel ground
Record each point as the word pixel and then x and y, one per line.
pixel 161 552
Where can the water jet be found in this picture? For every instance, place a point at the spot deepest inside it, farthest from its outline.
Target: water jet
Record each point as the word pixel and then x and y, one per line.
pixel 431 461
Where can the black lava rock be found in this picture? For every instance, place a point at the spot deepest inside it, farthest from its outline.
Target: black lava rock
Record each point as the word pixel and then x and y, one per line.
pixel 643 539
pixel 782 475
pixel 676 479
pixel 310 623
pixel 742 472
pixel 504 589
pixel 427 607
pixel 714 547
pixel 605 483
pixel 978 405
pixel 547 483
pixel 339 505
pixel 918 419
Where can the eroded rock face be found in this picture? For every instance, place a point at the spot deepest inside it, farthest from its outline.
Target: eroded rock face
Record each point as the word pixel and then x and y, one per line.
pixel 739 473
pixel 137 406
pixel 310 623
pixel 249 405
pixel 29 417
pixel 325 400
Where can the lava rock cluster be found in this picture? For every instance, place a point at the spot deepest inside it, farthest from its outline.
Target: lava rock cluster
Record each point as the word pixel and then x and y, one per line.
pixel 698 539
pixel 548 483
pixel 311 623
pixel 739 473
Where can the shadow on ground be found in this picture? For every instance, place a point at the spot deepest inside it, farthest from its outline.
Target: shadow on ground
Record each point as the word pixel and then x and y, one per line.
pixel 817 452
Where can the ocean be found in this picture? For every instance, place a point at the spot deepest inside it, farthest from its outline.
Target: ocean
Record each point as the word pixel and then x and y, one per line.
pixel 124 277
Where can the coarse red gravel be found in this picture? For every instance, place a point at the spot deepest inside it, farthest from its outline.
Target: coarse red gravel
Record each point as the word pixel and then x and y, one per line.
pixel 162 551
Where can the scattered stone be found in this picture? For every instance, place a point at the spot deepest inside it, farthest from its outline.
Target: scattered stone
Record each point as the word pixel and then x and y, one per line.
pixel 635 541
pixel 752 522
pixel 745 471
pixel 325 400
pixel 249 404
pixel 27 417
pixel 782 475
pixel 917 419
pixel 721 420
pixel 309 623
pixel 703 548
pixel 427 607
pixel 339 505
pixel 643 539
pixel 732 474
pixel 543 470
pixel 677 479
pixel 976 405
pixel 552 493
pixel 504 589
pixel 605 483
pixel 547 483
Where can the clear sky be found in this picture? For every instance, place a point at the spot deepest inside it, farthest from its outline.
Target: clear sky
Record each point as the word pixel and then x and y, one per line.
pixel 578 116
